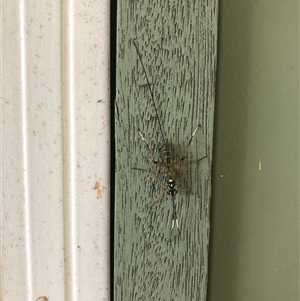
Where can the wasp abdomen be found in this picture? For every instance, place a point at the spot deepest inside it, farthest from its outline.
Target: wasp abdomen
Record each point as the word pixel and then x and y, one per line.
pixel 171 187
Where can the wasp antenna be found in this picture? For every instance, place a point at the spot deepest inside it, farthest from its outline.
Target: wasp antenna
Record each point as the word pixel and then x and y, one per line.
pixel 151 91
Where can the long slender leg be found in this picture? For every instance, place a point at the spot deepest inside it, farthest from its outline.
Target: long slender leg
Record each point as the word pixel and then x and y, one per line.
pixel 181 187
pixel 187 168
pixel 148 148
pixel 154 176
pixel 174 214
pixel 158 196
pixel 188 146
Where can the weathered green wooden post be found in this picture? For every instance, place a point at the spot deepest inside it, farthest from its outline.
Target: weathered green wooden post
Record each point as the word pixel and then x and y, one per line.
pixel 178 44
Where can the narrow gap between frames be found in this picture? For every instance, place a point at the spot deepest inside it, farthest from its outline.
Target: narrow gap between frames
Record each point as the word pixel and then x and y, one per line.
pixel 113 56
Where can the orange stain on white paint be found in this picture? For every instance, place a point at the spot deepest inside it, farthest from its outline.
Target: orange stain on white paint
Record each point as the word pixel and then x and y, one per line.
pixel 100 189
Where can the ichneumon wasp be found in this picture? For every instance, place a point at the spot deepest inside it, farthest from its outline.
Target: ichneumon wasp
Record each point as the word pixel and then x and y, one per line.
pixel 170 166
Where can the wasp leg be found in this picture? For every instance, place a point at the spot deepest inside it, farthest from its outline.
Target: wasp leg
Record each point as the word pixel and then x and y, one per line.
pixel 159 163
pixel 148 148
pixel 155 176
pixel 181 187
pixel 174 214
pixel 188 146
pixel 187 168
pixel 158 196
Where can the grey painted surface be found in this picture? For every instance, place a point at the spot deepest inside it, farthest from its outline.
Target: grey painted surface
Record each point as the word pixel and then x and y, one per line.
pixel 254 253
pixel 178 44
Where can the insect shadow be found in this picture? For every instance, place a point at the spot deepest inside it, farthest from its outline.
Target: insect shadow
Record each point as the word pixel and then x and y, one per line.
pixel 169 167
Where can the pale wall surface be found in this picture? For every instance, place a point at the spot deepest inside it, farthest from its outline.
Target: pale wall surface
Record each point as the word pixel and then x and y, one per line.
pixel 55 152
pixel 254 252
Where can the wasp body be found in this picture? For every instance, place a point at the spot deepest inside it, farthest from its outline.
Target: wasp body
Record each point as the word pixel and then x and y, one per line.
pixel 166 156
pixel 170 167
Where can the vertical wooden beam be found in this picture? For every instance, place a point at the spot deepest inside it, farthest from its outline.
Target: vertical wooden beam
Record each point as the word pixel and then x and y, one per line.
pixel 177 42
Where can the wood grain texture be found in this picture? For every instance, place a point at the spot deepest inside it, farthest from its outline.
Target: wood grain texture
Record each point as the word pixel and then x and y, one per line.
pixel 177 42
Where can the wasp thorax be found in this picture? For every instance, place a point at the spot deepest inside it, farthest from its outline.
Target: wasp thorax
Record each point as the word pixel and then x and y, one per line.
pixel 166 153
